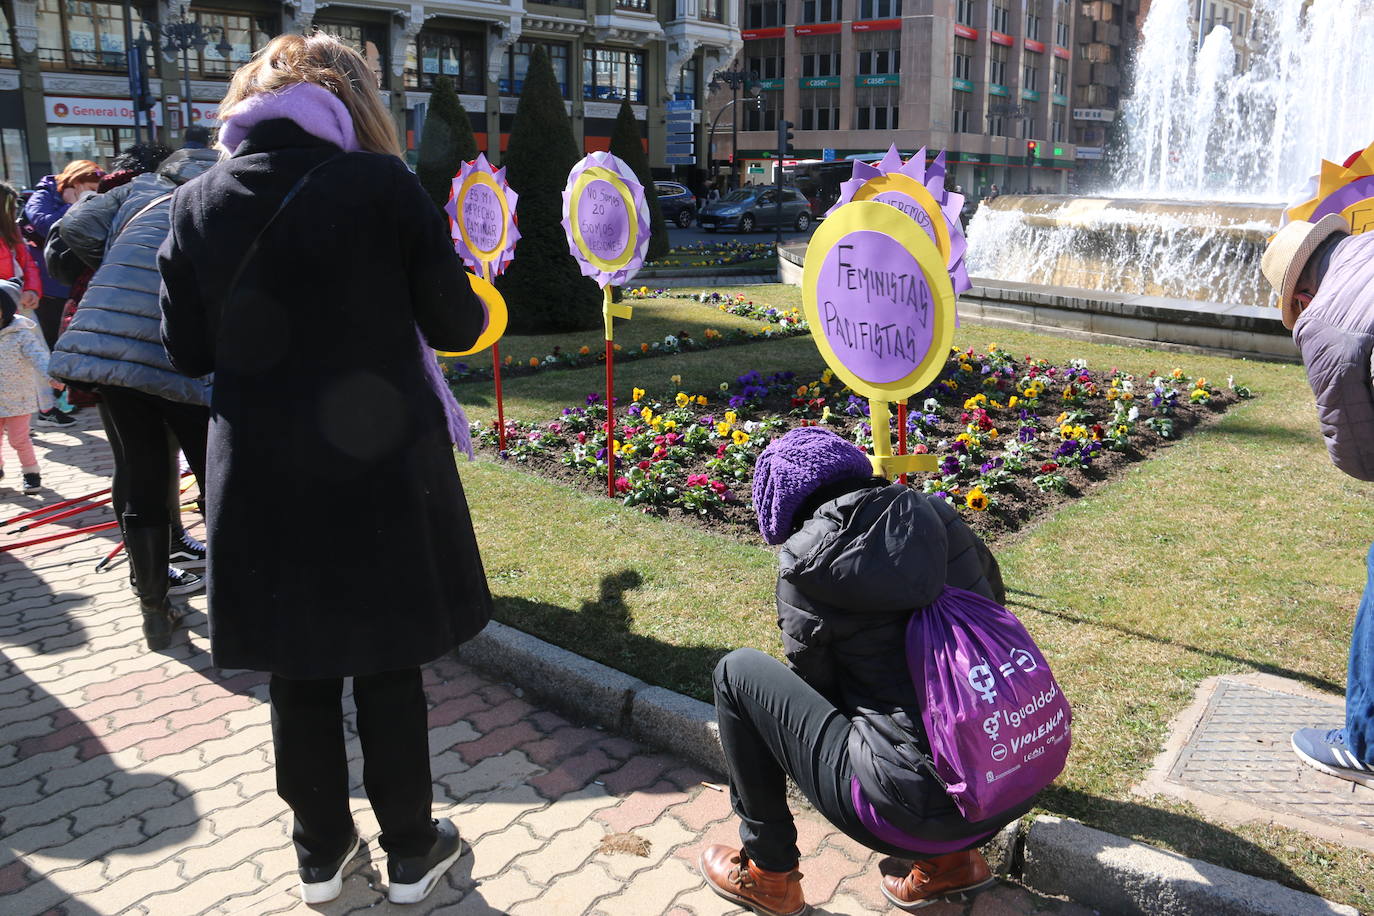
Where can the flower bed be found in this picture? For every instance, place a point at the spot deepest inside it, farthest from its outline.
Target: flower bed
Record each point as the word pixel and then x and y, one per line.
pixel 780 323
pixel 1014 437
pixel 712 254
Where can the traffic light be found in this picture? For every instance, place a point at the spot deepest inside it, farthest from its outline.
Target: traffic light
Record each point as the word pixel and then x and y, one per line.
pixel 1032 149
pixel 785 139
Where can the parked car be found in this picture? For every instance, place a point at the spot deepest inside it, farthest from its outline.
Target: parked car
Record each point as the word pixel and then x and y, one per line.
pixel 751 208
pixel 676 203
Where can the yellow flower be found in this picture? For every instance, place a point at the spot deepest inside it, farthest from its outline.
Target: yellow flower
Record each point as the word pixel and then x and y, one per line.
pixel 826 376
pixel 1127 396
pixel 965 367
pixel 740 437
pixel 701 400
pixel 676 379
pixel 1122 430
pixel 628 451
pixel 509 360
pixel 584 351
pixel 682 400
pixel 722 429
pixel 1013 401
pixel 1201 383
pixel 1113 394
pixel 656 422
pixel 731 417
pixel 1029 393
pixel 992 433
pixel 1177 373
pixel 646 415
pixel 637 394
pixel 669 425
pixel 964 437
pixel 615 446
pixel 976 499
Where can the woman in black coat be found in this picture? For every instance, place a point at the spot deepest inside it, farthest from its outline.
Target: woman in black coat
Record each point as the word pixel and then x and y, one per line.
pixel 298 271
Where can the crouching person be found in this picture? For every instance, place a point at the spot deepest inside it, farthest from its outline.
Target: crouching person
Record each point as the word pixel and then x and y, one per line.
pixel 859 558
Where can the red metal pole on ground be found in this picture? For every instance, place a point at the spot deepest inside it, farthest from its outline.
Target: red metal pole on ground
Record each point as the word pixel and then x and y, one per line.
pixel 610 418
pixel 500 407
pixel 92 529
pixel 109 557
pixel 901 434
pixel 79 510
pixel 54 507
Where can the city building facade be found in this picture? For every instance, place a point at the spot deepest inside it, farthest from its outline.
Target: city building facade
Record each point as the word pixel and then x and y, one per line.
pixel 981 79
pixel 66 91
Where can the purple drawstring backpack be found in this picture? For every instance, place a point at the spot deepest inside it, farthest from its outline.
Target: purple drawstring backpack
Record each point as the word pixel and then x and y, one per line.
pixel 996 719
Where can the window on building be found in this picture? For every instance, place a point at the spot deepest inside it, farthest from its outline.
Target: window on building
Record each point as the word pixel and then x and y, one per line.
pixel 879 52
pixel 963 12
pixel 1061 33
pixel 963 58
pixel 713 10
pixel 365 38
pixel 820 109
pixel 997 64
pixel 996 124
pixel 570 4
pixel 1001 19
pixel 80 36
pixel 641 6
pixel 247 34
pixel 1032 24
pixel 461 56
pixel 765 57
pixel 879 9
pixel 820 55
pixel 7 50
pixel 1030 77
pixel 517 64
pixel 820 10
pixel 962 121
pixel 875 107
pixel 1027 128
pixel 613 73
pixel 763 115
pixel 1057 130
pixel 765 14
pixel 687 80
pixel 1061 77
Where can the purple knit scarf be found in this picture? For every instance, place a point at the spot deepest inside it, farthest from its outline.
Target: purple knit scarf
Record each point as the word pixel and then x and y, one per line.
pixel 318 112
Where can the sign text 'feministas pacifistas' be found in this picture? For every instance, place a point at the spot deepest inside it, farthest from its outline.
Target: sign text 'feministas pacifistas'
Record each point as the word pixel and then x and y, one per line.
pixel 875 307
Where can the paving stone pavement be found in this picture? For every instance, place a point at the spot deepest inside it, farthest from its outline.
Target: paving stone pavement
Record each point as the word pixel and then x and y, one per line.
pixel 135 782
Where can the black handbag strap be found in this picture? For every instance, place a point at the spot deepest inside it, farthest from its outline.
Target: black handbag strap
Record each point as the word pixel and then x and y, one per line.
pixel 257 240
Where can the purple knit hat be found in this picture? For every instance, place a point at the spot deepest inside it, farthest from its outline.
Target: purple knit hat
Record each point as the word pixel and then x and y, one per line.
pixel 792 468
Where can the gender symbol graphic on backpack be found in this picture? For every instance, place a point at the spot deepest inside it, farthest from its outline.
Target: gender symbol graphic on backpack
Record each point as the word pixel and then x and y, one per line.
pixel 998 724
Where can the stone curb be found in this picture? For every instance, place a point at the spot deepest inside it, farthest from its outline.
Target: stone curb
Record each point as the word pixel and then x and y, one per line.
pixel 1062 857
pixel 1116 875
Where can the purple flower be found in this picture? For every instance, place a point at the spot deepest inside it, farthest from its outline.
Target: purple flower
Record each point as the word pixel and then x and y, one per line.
pixel 1066 448
pixel 737 400
pixel 989 466
pixel 960 446
pixel 600 454
pixel 1025 434
pixel 940 494
pixel 593 399
pixel 949 466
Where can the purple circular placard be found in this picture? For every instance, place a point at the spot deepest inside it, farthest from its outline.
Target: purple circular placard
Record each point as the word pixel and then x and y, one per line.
pixel 603 220
pixel 911 208
pixel 876 311
pixel 482 217
pixel 1342 198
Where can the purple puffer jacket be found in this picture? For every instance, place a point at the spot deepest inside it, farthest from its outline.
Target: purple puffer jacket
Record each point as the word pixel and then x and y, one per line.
pixel 1336 338
pixel 45 208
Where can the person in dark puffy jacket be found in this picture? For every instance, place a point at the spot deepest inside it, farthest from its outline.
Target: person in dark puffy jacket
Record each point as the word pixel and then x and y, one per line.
pixel 859 557
pixel 150 410
pixel 1324 276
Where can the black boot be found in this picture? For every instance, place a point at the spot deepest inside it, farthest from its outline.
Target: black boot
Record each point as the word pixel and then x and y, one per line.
pixel 147 546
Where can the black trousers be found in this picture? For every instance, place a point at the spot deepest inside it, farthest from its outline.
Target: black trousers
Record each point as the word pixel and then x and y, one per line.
pixel 312 764
pixel 49 315
pixel 145 433
pixel 774 725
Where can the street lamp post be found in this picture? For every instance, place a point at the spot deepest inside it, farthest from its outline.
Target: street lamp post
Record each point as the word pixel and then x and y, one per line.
pixel 183 35
pixel 737 79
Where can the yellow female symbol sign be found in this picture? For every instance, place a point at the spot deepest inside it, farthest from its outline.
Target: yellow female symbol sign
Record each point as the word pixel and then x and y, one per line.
pixel 881 308
pixel 497 316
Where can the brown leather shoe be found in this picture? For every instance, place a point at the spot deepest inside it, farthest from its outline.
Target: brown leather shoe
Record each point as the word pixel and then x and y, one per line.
pixel 730 874
pixel 940 878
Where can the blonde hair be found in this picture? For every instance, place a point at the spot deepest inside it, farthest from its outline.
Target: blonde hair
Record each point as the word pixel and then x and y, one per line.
pixel 324 61
pixel 80 171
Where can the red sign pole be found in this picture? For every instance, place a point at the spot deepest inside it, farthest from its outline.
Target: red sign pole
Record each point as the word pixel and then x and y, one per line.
pixel 496 376
pixel 901 434
pixel 610 413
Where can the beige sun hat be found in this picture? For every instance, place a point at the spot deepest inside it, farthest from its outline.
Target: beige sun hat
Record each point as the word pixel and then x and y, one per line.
pixel 1287 255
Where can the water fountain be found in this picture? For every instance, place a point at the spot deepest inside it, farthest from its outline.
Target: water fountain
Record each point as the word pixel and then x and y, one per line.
pixel 1212 155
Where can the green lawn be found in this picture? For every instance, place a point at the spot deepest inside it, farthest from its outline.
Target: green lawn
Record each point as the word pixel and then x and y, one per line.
pixel 653 320
pixel 1240 549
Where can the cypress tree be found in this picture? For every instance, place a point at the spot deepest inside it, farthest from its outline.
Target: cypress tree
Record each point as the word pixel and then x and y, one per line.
pixel 445 143
pixel 626 143
pixel 544 289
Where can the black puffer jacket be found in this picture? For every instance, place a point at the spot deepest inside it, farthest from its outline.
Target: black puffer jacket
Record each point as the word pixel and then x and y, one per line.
pixel 115 337
pixel 848 583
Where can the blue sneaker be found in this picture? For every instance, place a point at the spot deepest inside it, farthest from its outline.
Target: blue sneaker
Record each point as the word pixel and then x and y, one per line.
pixel 1326 750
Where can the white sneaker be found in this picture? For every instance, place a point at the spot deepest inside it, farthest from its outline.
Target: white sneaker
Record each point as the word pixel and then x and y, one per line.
pixel 411 880
pixel 323 884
